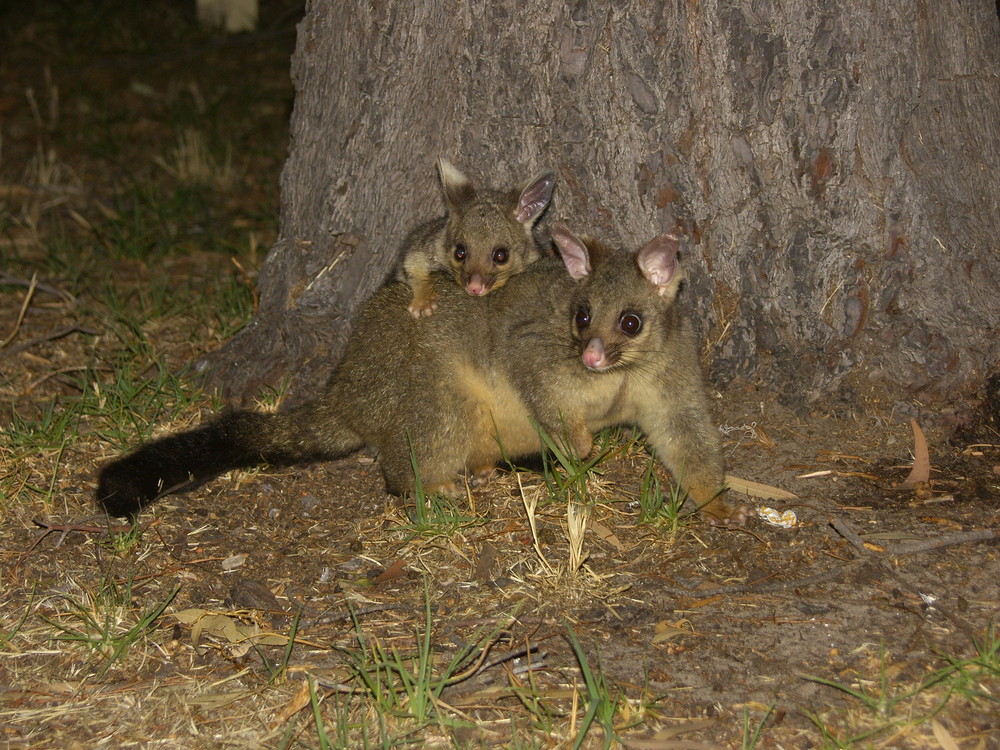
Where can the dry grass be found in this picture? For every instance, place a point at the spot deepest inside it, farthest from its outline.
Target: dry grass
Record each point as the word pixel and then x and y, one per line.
pixel 192 161
pixel 304 607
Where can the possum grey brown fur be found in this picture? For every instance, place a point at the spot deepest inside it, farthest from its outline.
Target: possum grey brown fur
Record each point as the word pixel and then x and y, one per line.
pixel 575 352
pixel 486 237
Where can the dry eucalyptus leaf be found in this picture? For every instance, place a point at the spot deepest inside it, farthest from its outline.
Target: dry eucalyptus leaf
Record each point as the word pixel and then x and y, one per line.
pixel 299 701
pixel 756 489
pixel 233 562
pixel 666 631
pixel 226 629
pixel 607 535
pixel 943 736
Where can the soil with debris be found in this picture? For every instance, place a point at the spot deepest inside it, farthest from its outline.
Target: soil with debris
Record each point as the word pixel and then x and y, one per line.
pixel 873 584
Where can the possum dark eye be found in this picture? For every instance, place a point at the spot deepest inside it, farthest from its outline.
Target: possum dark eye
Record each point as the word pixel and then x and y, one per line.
pixel 460 252
pixel 630 323
pixel 582 318
pixel 500 255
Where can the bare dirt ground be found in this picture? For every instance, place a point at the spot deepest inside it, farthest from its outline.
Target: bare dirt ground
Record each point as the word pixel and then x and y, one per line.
pixel 875 588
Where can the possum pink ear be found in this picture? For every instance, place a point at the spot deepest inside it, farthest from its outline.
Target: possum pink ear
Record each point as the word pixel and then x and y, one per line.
pixel 572 250
pixel 457 188
pixel 534 198
pixel 658 262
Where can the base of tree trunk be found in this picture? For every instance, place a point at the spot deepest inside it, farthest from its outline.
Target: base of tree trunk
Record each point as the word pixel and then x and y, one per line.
pixel 834 166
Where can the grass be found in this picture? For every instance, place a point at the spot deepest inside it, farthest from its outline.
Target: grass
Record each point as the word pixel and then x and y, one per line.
pixel 402 691
pixel 99 621
pixel 279 670
pixel 566 474
pixel 752 733
pixel 886 710
pixel 567 477
pixel 142 216
pixel 656 508
pixel 401 686
pixel 434 514
pixel 117 405
pixel 7 636
pixel 601 706
pixel 107 262
pixel 389 698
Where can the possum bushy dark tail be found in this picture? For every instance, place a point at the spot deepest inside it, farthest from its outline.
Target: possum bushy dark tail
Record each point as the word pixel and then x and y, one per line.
pixel 233 440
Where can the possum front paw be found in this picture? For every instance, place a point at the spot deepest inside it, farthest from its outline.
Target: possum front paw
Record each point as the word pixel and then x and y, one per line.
pixel 482 475
pixel 720 513
pixel 423 305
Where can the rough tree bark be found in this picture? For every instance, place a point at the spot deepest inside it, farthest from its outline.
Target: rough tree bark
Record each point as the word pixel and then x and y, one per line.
pixel 835 165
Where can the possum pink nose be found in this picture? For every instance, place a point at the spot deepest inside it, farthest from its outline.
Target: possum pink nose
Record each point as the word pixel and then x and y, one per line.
pixel 594 356
pixel 476 285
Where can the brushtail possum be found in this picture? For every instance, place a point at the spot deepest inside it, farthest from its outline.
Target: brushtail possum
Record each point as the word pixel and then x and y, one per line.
pixel 485 238
pixel 575 352
pixel 630 357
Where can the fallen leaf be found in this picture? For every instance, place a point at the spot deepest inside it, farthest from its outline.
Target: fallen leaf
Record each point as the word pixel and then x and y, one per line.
pixel 756 489
pixel 396 570
pixel 667 738
pixel 188 616
pixel 607 535
pixel 921 471
pixel 299 701
pixel 233 562
pixel 943 736
pixel 705 602
pixel 226 628
pixel 485 562
pixel 666 631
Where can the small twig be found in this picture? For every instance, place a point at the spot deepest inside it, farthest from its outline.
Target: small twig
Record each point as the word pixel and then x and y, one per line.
pixel 957 621
pixel 913 548
pixel 56 373
pixel 346 614
pixel 41 286
pixel 57 334
pixel 63 529
pixel 946 540
pixel 755 588
pixel 478 665
pixel 519 653
pixel 171 569
pixel 885 565
pixel 845 530
pixel 249 282
pixel 24 309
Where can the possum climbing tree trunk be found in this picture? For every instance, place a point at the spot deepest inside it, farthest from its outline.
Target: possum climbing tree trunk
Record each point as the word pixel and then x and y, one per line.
pixel 834 165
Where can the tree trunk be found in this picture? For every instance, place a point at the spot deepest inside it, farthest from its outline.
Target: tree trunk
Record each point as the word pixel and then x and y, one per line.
pixel 835 166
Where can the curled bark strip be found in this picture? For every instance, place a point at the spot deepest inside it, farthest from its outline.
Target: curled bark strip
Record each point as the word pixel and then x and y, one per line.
pixel 921 471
